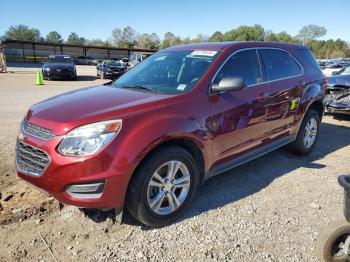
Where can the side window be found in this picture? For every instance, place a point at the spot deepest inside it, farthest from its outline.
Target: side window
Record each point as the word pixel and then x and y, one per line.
pixel 244 64
pixel 296 67
pixel 278 64
pixel 308 60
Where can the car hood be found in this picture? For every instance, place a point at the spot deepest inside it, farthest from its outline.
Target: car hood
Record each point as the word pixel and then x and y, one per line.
pixel 116 67
pixel 68 110
pixel 58 65
pixel 341 80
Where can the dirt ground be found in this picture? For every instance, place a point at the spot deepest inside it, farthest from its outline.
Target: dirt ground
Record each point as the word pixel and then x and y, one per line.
pixel 271 209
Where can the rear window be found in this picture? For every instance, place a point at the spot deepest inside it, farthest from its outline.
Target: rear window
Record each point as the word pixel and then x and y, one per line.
pixel 305 56
pixel 279 64
pixel 60 59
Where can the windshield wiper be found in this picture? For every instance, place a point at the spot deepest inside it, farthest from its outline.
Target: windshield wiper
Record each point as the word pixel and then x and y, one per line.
pixel 140 87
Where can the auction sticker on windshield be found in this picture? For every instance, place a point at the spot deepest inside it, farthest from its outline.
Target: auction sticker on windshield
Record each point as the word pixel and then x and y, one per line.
pixel 203 53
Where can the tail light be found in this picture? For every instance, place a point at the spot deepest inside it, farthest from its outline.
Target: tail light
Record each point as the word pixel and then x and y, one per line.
pixel 325 83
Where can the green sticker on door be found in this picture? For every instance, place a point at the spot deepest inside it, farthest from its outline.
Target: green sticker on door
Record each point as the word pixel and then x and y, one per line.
pixel 294 104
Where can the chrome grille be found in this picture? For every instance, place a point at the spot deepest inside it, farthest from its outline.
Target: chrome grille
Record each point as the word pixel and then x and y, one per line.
pixel 37 131
pixel 31 160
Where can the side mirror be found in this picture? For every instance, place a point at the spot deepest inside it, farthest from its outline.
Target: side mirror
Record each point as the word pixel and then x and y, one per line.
pixel 229 84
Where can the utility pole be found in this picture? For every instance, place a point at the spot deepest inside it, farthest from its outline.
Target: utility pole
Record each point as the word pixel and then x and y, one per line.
pixel 3 68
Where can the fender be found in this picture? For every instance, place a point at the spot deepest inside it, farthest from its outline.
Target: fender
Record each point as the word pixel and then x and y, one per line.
pixel 149 133
pixel 312 93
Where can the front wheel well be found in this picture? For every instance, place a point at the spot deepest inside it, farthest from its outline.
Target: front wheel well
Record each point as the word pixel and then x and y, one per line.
pixel 318 107
pixel 187 144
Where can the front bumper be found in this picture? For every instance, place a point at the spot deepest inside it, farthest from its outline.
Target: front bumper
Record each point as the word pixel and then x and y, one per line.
pixel 63 74
pixel 338 110
pixel 63 172
pixel 113 74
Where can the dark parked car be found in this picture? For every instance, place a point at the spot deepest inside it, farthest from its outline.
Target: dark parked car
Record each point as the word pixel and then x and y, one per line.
pixel 59 67
pixel 110 69
pixel 338 92
pixel 85 60
pixel 147 140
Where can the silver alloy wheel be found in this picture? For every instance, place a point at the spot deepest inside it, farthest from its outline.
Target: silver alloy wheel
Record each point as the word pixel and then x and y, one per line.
pixel 310 133
pixel 168 187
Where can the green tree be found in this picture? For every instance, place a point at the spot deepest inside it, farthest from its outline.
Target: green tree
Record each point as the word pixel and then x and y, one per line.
pixel 216 37
pixel 170 39
pixel 311 32
pixel 200 38
pixel 22 32
pixel 125 37
pixel 98 42
pixel 150 41
pixel 284 37
pixel 269 35
pixel 245 33
pixel 54 37
pixel 75 39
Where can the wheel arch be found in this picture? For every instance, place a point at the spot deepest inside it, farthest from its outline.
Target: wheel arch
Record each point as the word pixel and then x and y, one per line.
pixel 318 106
pixel 183 142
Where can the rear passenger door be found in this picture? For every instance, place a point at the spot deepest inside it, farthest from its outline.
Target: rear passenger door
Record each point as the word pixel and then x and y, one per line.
pixel 284 76
pixel 237 121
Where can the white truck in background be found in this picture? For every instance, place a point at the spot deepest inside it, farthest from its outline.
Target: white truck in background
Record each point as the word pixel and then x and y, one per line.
pixel 136 57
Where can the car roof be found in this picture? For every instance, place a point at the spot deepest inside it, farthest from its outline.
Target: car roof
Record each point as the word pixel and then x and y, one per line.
pixel 64 56
pixel 239 44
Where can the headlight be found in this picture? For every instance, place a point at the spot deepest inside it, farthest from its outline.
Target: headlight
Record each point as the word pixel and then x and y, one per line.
pixel 47 69
pixel 89 139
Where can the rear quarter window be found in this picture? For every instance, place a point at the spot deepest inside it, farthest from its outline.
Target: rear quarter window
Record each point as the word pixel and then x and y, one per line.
pixel 307 59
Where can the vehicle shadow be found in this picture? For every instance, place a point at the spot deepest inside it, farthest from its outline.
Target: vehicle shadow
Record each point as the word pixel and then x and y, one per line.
pixel 253 176
pixel 86 78
pixel 79 78
pixel 340 117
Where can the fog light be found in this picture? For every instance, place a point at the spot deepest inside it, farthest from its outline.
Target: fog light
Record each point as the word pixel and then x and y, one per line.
pixel 86 191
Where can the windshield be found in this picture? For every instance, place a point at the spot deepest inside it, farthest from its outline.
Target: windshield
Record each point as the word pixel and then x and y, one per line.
pixel 113 63
pixel 60 59
pixel 169 72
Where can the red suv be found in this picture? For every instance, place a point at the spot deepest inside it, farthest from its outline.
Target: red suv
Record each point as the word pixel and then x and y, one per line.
pixel 148 140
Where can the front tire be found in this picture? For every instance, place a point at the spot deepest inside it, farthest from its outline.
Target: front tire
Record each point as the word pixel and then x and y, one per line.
pixel 329 245
pixel 163 187
pixel 308 133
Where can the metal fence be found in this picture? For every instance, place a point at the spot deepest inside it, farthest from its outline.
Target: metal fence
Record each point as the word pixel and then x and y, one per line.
pixel 37 52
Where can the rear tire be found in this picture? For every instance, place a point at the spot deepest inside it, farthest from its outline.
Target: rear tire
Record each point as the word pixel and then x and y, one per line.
pixel 157 198
pixel 328 242
pixel 307 134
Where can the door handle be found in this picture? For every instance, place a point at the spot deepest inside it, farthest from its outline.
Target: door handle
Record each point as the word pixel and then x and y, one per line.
pixel 262 97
